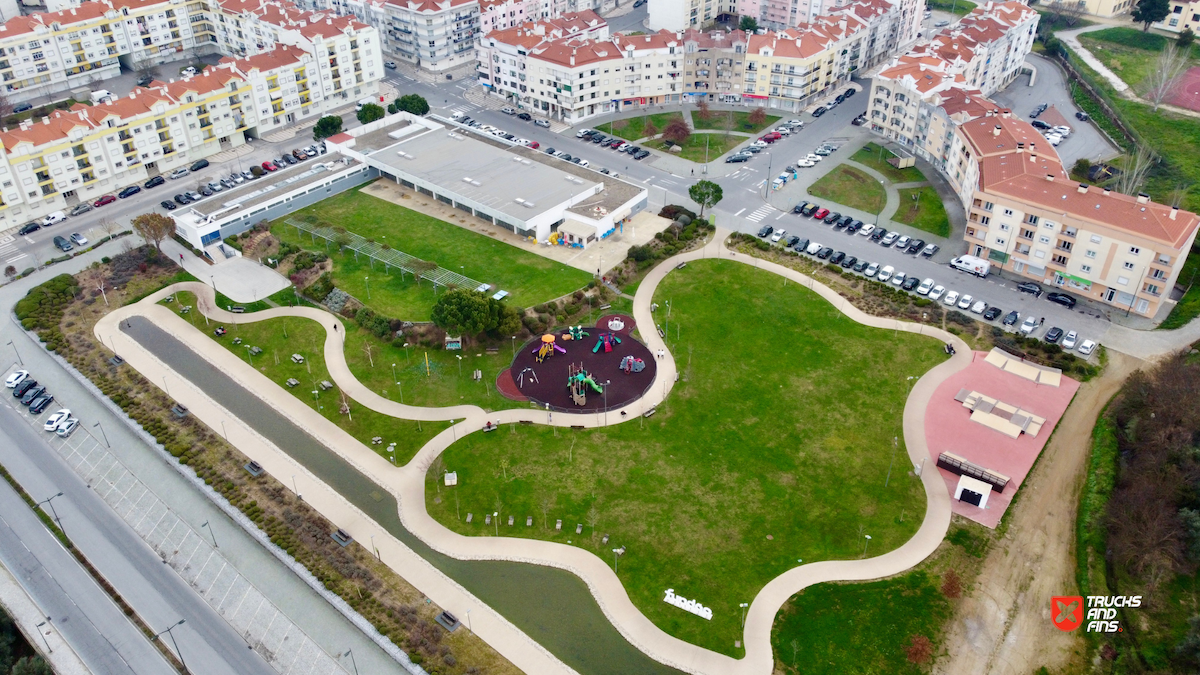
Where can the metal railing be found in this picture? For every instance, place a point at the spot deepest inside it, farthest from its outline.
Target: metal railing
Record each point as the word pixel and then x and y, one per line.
pixel 389 257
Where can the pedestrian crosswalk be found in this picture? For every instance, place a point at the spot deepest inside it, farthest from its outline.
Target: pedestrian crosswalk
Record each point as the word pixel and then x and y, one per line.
pixel 760 213
pixel 8 250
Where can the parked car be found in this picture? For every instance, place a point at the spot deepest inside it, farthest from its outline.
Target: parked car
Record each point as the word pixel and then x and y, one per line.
pixel 825 253
pixel 1053 334
pixel 216 187
pixel 915 246
pixel 1040 125
pixel 910 283
pixel 765 231
pixel 902 242
pixel 885 273
pixel 1062 299
pixel 899 277
pixel 106 199
pixel 23 387
pixel 820 213
pixel 32 394
pixel 798 208
pixel 861 266
pixel 965 301
pixel 937 292
pixel 1011 318
pixel 848 262
pixel 833 217
pixel 1029 325
pixel 951 298
pixel 29 228
pixel 929 250
pixel 182 198
pixel 39 405
pixel 867 230
pixel 62 244
pixel 925 287
pixel 17 377
pixel 154 182
pixel 205 191
pixel 878 234
pixel 129 191
pixel 1070 339
pixel 736 159
pixel 791 241
pixel 168 205
pixel 390 65
pixel 1030 288
pixel 1087 347
pixel 194 196
pixel 269 166
pixel 508 110
pixel 257 171
pixel 848 93
pixel 992 313
pixel 288 159
pixel 837 257
pixel 80 209
pixel 545 124
pixel 779 234
pixel 1082 116
pixel 853 226
pixel 22 107
pixel 801 246
pixel 821 110
pixel 55 419
pixel 525 116
pixel 199 165
pixel 889 239
pixel 813 248
pixel 178 173
pixel 641 154
pixel 809 209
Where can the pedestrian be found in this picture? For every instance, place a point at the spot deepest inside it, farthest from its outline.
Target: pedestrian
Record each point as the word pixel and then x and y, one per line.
pixel 335 327
pixel 181 258
pixel 1041 320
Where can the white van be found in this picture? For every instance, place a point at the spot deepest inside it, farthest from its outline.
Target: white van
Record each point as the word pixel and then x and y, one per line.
pixel 54 219
pixel 969 263
pixel 101 96
pixel 362 102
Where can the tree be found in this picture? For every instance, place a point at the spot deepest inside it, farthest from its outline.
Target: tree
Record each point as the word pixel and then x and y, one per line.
pixel 920 650
pixel 702 109
pixel 330 125
pixel 757 116
pixel 1185 39
pixel 1167 70
pixel 10 271
pixel 1147 12
pixel 31 666
pixel 677 131
pixel 154 227
pixel 369 113
pixel 1053 46
pixel 1133 174
pixel 468 313
pixel 649 130
pixel 748 24
pixel 1082 167
pixel 705 193
pixel 146 69
pixel 413 103
pixel 109 227
pixel 6 107
pixel 951 585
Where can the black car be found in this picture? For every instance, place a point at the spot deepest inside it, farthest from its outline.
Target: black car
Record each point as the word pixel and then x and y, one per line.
pixel 832 218
pixel 792 241
pixel 29 227
pixel 145 80
pixel 837 258
pixel 734 159
pixel 839 224
pixel 1030 288
pixel 550 151
pixel 1012 318
pixel 854 227
pixel 992 313
pixel 289 159
pixel 62 244
pixel 129 191
pixel 1038 110
pixel 861 265
pixel 1082 116
pixel 525 116
pixel 801 245
pixel 32 394
pixel 849 262
pixel 824 253
pixel 39 406
pixel 1062 299
pixel 819 111
pixel 596 138
pixel 168 205
pixel 1053 335
pixel 641 154
pixel 910 283
pixel 810 209
pixel 206 191
pixel 846 220
pixel 878 234
pixel 182 199
pixel 22 107
pixel 799 207
pixel 1038 124
pixel 839 98
pixel 915 246
pixel 154 182
pixel 633 150
pixel 23 388
pixel 849 93
pixel 765 231
pixel 199 165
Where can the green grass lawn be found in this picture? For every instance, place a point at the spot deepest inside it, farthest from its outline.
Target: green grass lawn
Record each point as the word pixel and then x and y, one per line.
pixel 848 629
pixel 528 277
pixel 773 447
pixel 694 148
pixel 926 212
pixel 633 128
pixel 959 7
pixel 848 186
pixel 280 338
pixel 872 156
pixel 719 119
pixel 1129 52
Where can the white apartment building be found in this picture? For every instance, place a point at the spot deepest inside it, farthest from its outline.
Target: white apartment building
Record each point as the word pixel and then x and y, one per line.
pixel 678 15
pixel 1183 15
pixel 502 56
pixel 435 35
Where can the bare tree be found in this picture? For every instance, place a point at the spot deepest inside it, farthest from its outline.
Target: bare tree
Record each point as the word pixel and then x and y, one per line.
pixel 546 503
pixel 6 107
pixel 108 226
pixel 593 515
pixel 1066 12
pixel 146 68
pixel 1166 73
pixel 1133 175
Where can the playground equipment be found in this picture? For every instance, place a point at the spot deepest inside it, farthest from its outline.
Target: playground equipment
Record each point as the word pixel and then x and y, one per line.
pixel 577 378
pixel 547 348
pixel 575 333
pixel 521 377
pixel 632 364
pixel 607 340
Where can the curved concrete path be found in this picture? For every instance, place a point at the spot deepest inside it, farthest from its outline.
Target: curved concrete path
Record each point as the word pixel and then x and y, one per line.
pixel 407 483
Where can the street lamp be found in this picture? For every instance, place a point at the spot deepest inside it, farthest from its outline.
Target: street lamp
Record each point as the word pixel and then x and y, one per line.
pixel 210 533
pixel 367 281
pixel 10 344
pixel 512 340
pixel 744 605
pixel 393 371
pixel 249 356
pixel 496 521
pixel 106 443
pixel 178 653
pixel 44 640
pixel 459 357
pixel 350 653
pixel 50 500
pixel 865 542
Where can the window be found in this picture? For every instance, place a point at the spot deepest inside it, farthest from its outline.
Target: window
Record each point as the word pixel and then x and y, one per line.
pixel 1060 260
pixel 1090 254
pixel 1031 219
pixel 1128 265
pixel 1085 268
pixel 987 206
pixel 1000 242
pixel 1044 239
pixel 1008 212
pixel 1133 250
pixel 985 220
pixel 1004 228
pixel 1164 259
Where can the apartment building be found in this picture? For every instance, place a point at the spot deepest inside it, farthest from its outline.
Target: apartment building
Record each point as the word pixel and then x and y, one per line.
pixel 714 65
pixel 502 56
pixel 788 69
pixel 435 35
pixel 1183 15
pixel 1028 216
pixel 678 15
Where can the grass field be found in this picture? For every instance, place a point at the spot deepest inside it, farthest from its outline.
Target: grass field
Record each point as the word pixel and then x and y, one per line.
pixel 633 128
pixel 875 156
pixel 925 213
pixel 1130 53
pixel 695 146
pixel 959 7
pixel 851 629
pixel 280 338
pixel 773 447
pixel 529 278
pixel 848 186
pixel 741 121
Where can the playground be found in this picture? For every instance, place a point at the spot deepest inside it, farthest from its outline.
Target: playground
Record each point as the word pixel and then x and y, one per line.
pixel 568 369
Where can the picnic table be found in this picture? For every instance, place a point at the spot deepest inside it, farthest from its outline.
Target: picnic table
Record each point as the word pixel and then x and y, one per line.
pixel 296 358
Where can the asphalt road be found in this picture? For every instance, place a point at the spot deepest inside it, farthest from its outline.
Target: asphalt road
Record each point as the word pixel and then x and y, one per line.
pixel 83 614
pixel 155 592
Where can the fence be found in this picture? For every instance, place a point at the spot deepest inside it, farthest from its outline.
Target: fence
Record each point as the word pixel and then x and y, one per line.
pixel 389 257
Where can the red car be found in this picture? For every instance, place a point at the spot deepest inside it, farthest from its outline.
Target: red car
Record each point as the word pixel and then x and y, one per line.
pixel 269 166
pixel 106 199
pixel 768 139
pixel 821 213
pixel 535 145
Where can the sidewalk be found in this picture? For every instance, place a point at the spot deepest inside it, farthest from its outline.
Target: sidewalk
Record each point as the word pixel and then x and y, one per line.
pixel 239 279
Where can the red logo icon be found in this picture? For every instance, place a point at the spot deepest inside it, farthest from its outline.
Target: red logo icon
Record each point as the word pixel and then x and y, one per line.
pixel 1066 611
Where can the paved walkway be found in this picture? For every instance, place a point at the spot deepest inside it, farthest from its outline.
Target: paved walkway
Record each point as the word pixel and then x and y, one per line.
pixel 408 483
pixel 239 279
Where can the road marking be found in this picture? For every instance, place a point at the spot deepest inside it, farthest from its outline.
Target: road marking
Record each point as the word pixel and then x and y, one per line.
pixel 780 216
pixel 738 213
pixel 648 179
pixel 760 213
pixel 31 241
pixel 11 260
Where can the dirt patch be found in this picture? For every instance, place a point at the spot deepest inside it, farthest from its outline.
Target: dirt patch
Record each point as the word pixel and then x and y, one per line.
pixel 1003 626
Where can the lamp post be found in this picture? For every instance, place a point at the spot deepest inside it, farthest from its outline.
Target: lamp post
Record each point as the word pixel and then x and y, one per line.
pixel 50 500
pixel 249 356
pixel 865 542
pixel 367 281
pixel 106 443
pixel 616 555
pixel 178 653
pixel 459 357
pixel 469 621
pixel 10 344
pixel 210 533
pixel 44 640
pixel 213 279
pixel 393 371
pixel 350 653
pixel 512 340
pixel 606 383
pixel 496 521
pixel 744 605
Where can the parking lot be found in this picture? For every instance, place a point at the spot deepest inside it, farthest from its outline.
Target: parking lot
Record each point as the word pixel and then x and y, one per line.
pixel 190 553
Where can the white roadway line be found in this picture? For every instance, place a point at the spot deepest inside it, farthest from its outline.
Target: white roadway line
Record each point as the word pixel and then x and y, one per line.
pixel 780 215
pixel 23 255
pixel 739 213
